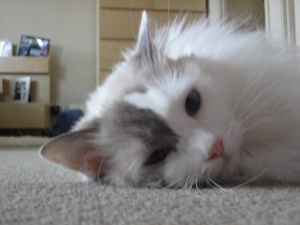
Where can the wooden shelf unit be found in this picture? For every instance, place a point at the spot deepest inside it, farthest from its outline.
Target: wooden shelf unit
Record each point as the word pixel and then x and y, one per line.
pixel 32 115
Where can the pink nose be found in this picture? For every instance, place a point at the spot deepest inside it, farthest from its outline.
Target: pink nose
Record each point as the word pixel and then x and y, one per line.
pixel 216 150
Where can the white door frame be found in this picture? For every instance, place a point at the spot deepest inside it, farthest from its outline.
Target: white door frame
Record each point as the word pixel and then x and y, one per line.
pixel 297 21
pixel 218 10
pixel 280 20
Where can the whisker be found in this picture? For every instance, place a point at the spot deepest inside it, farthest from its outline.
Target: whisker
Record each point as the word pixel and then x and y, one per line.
pixel 185 186
pixel 258 97
pixel 197 188
pixel 250 86
pixel 100 166
pixel 253 89
pixel 251 83
pixel 250 180
pixel 190 185
pixel 129 169
pixel 257 109
pixel 218 185
pixel 170 185
pixel 196 184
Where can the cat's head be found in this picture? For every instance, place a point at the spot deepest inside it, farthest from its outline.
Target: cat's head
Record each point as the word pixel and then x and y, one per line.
pixel 175 126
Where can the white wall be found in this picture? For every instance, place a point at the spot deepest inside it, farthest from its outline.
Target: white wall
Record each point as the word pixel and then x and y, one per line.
pixel 71 27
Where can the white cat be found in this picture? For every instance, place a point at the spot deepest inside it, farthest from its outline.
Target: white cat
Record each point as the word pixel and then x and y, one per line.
pixel 197 103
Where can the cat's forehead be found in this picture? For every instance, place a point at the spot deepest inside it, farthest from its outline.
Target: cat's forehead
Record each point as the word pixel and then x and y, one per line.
pixel 151 100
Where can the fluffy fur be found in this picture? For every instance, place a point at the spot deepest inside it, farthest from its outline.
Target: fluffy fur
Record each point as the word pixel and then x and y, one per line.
pixel 250 93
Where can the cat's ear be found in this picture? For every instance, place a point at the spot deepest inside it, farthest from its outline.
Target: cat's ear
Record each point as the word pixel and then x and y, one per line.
pixel 144 48
pixel 77 151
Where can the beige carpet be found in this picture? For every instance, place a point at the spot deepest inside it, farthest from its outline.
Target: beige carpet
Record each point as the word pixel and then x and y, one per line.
pixel 22 141
pixel 35 192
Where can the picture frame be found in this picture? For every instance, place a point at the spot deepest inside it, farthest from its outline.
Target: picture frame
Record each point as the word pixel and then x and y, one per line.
pixel 34 46
pixel 6 48
pixel 20 89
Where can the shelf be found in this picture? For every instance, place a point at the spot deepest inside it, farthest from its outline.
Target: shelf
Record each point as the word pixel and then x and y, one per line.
pixel 23 65
pixel 33 115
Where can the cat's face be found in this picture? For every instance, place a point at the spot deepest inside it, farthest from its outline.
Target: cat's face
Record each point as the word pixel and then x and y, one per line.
pixel 175 128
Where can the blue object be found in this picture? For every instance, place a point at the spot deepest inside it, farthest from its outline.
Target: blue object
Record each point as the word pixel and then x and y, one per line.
pixel 63 122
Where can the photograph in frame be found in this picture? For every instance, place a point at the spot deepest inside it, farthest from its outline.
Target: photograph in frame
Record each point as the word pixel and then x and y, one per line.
pixel 20 89
pixel 6 48
pixel 34 46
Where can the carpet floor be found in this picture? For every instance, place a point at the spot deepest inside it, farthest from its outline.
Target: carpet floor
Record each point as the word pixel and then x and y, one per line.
pixel 36 192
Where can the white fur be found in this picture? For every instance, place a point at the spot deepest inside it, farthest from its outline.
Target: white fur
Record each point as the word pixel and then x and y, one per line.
pixel 250 99
pixel 149 100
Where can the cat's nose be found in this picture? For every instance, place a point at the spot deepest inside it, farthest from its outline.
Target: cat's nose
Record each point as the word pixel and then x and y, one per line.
pixel 216 150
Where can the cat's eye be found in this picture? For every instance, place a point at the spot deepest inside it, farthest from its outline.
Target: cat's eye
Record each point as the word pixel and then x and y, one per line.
pixel 192 102
pixel 157 156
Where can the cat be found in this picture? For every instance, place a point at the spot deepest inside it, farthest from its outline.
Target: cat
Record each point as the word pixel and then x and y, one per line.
pixel 190 104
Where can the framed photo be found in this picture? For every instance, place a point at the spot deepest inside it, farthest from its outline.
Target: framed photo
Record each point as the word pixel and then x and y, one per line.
pixel 6 48
pixel 20 89
pixel 34 46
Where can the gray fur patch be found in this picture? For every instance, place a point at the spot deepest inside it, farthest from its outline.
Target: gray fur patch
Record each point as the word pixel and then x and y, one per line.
pixel 146 125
